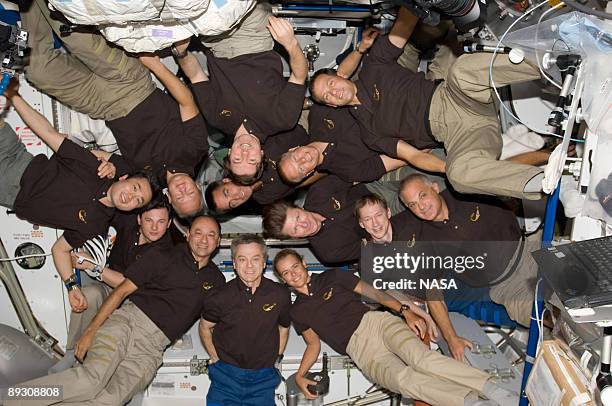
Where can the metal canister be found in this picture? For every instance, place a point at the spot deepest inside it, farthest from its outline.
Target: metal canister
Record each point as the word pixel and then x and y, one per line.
pixel 295 397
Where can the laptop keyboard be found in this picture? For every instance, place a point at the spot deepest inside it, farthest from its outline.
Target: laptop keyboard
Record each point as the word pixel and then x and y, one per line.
pixel 596 255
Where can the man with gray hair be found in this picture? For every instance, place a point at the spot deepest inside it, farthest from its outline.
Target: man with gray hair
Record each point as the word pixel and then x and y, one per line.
pixel 448 216
pixel 244 328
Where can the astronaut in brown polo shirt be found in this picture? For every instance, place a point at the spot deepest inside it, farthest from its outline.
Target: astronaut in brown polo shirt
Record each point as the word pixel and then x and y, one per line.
pixel 396 108
pixel 375 217
pixel 64 191
pixel 326 220
pixel 452 217
pixel 225 194
pixel 123 346
pixel 386 348
pixel 335 146
pixel 161 132
pixel 248 99
pixel 244 328
pixel 136 235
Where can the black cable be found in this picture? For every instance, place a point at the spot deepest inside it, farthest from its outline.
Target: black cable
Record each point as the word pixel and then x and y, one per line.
pixel 580 7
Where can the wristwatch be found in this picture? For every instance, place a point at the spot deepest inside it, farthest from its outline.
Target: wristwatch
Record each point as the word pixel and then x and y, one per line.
pixel 71 283
pixel 403 307
pixel 360 52
pixel 177 54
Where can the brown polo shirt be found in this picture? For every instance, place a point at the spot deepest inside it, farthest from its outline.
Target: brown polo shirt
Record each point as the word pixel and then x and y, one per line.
pixel 171 288
pixel 346 155
pixel 64 191
pixel 394 101
pixel 481 219
pixel 331 308
pixel 154 136
pixel 250 90
pixel 405 226
pixel 273 188
pixel 126 249
pixel 246 323
pixel 339 239
pixel 473 218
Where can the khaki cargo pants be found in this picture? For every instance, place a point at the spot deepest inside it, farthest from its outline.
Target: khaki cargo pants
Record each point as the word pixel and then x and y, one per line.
pixel 462 115
pixel 14 160
pixel 93 77
pixel 517 292
pixel 391 355
pixel 124 356
pixel 95 293
pixel 249 37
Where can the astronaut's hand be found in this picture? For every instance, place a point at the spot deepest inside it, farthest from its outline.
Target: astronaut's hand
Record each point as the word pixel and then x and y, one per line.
pixel 78 301
pixel 282 32
pixel 106 169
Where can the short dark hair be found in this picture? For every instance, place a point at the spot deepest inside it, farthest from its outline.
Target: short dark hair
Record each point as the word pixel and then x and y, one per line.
pixel 372 198
pixel 245 180
pixel 150 177
pixel 244 239
pixel 211 205
pixel 274 217
pixel 153 182
pixel 282 254
pixel 159 202
pixel 283 175
pixel 313 78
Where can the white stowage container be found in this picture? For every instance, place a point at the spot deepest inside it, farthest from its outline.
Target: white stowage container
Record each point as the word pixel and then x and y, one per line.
pixel 219 17
pixel 146 26
pixel 99 12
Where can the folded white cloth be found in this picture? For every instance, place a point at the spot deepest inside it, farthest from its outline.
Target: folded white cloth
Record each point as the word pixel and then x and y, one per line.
pixel 554 169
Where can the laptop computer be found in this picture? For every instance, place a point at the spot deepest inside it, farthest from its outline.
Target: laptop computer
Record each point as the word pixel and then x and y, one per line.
pixel 580 273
